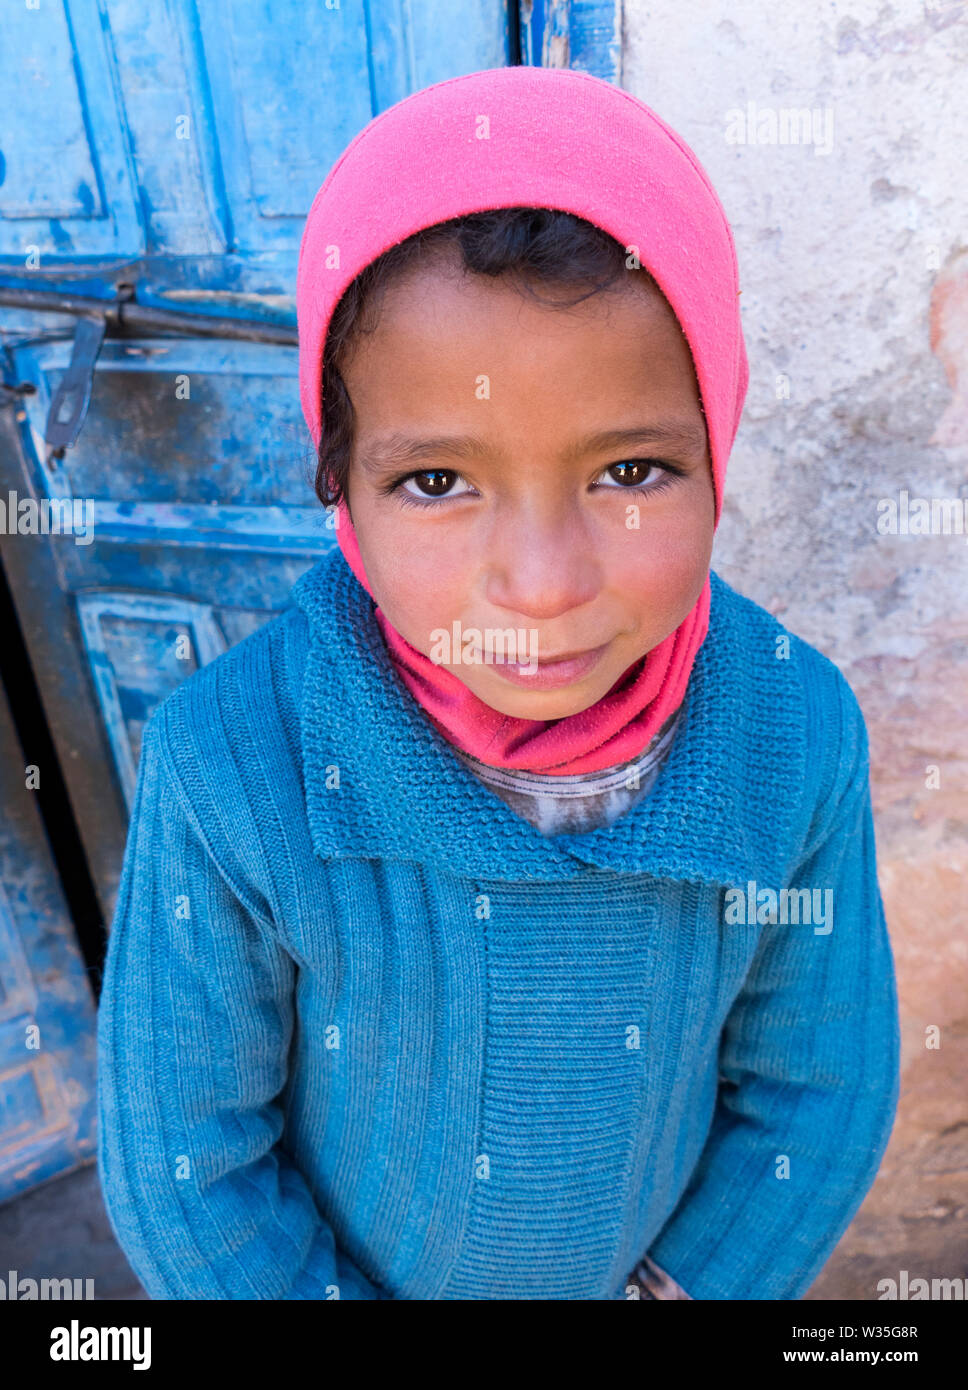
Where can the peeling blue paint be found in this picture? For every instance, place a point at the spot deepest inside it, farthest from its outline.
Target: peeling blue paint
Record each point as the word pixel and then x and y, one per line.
pixel 85 198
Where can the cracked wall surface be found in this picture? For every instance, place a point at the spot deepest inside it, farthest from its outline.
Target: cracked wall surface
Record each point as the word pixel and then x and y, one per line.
pixel 853 254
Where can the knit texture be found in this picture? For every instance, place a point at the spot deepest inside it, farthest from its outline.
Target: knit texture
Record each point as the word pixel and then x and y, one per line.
pixel 364 1032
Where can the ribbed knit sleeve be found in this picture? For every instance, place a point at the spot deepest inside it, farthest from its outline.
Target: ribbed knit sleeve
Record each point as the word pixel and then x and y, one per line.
pixel 809 1067
pixel 194 1026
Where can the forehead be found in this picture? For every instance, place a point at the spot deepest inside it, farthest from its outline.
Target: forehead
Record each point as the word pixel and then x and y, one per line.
pixel 559 365
pixel 439 274
pixel 436 306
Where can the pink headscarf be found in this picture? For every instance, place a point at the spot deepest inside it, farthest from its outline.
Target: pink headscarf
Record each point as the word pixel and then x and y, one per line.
pixel 556 139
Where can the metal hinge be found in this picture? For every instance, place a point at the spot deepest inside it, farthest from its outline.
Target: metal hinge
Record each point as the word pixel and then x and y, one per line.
pixel 98 318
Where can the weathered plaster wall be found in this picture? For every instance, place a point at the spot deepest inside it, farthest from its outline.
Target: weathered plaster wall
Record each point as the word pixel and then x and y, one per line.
pixel 853 253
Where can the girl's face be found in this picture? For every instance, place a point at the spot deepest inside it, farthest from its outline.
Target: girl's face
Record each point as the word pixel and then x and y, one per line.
pixel 485 491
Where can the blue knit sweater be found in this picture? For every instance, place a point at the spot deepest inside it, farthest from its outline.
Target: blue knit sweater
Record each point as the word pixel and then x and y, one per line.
pixel 367 1033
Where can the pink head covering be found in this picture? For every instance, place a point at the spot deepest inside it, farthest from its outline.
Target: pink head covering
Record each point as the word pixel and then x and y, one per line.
pixel 557 139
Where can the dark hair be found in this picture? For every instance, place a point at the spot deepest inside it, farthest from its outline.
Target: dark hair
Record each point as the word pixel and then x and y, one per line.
pixel 527 244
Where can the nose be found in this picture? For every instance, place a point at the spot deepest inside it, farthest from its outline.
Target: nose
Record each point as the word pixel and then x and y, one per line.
pixel 541 565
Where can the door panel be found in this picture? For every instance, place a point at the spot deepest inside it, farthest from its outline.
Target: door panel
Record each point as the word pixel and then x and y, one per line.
pixel 67 187
pixel 140 647
pixel 47 1010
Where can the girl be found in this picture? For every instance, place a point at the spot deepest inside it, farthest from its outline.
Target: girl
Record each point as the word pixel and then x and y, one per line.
pixel 501 921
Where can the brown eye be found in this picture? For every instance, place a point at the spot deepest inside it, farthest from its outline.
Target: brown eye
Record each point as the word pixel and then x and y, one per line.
pixel 439 481
pixel 431 483
pixel 643 476
pixel 632 473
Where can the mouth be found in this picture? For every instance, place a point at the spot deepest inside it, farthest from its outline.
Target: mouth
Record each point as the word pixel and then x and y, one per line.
pixel 566 656
pixel 548 673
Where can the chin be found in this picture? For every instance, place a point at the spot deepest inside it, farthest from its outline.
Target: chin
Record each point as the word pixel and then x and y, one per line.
pixel 549 704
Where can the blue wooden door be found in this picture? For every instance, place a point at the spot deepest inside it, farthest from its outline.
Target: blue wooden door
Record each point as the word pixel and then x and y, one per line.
pixel 175 147
pixel 164 154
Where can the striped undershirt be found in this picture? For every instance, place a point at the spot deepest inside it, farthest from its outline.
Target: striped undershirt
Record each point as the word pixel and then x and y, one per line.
pixel 574 805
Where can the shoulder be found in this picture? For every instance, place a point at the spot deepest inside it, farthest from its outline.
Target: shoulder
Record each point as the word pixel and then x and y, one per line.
pixel 793 684
pixel 773 652
pixel 250 681
pixel 228 737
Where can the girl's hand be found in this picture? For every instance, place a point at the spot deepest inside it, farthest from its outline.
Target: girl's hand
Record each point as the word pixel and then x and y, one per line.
pixel 654 1283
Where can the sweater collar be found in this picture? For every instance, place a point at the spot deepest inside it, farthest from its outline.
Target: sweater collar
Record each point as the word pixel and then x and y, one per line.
pixel 382 782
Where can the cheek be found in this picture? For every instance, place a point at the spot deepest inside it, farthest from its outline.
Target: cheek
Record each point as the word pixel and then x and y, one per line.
pixel 665 561
pixel 419 576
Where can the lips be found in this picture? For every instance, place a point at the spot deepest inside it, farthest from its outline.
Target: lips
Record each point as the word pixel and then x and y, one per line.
pixel 548 674
pixel 567 656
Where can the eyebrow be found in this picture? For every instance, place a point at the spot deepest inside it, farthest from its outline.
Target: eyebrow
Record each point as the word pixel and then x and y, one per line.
pixel 398 450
